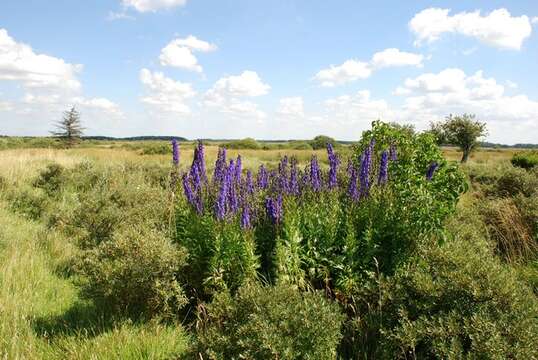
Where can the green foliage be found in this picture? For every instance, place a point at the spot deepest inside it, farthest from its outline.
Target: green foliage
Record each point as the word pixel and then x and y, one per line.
pixel 247 143
pixel 51 179
pixel 28 202
pixel 462 131
pixel 525 160
pixel 456 302
pixel 155 149
pixel 321 141
pixel 134 273
pixel 270 323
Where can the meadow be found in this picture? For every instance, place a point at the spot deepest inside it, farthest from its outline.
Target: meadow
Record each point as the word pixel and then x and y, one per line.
pixel 386 248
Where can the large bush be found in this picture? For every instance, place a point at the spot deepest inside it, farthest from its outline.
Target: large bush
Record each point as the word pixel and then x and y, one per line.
pixel 135 273
pixel 525 160
pixel 458 302
pixel 270 323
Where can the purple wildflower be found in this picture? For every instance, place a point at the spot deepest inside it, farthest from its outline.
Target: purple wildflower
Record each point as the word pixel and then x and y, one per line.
pixel 220 166
pixel 364 176
pixel 249 185
pixel 315 174
pixel 282 179
pixel 233 201
pixel 333 166
pixel 220 205
pixel 274 209
pixel 245 217
pixel 383 168
pixel 189 194
pixel 393 154
pixel 352 188
pixel 293 186
pixel 431 170
pixel 262 178
pixel 238 169
pixel 175 153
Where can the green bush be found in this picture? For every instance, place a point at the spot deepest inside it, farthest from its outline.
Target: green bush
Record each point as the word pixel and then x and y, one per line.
pixel 525 160
pixel 247 143
pixel 29 202
pixel 514 181
pixel 51 179
pixel 270 323
pixel 135 273
pixel 456 301
pixel 300 145
pixel 156 149
pixel 321 141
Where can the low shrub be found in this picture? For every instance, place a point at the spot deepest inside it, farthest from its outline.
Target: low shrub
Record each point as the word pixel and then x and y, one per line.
pixel 270 323
pixel 321 141
pixel 514 181
pixel 135 273
pixel 525 160
pixel 454 301
pixel 50 179
pixel 155 149
pixel 28 202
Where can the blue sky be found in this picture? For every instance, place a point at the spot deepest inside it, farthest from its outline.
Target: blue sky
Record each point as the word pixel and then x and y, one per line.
pixel 269 70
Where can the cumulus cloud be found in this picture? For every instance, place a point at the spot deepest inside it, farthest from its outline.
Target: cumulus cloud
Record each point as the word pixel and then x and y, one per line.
pixel 352 70
pixel 432 96
pixel 165 94
pixel 395 57
pixel 179 53
pixel 18 62
pixel 291 107
pixel 535 20
pixel 358 108
pixel 227 93
pixel 498 28
pixel 49 85
pixel 152 5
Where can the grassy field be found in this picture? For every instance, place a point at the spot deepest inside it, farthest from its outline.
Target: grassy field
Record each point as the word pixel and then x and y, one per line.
pixel 43 316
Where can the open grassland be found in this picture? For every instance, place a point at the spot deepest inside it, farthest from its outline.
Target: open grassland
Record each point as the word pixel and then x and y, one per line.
pixel 44 315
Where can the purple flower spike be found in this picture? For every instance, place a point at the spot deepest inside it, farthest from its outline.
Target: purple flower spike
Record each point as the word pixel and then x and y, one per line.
pixel 333 166
pixel 352 188
pixel 220 166
pixel 238 169
pixel 315 174
pixel 249 184
pixel 383 168
pixel 274 209
pixel 393 154
pixel 245 217
pixel 293 186
pixel 282 179
pixel 364 176
pixel 431 170
pixel 175 153
pixel 262 179
pixel 189 194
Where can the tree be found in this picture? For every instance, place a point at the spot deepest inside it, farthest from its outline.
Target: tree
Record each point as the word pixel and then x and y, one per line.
pixel 320 142
pixel 69 129
pixel 462 131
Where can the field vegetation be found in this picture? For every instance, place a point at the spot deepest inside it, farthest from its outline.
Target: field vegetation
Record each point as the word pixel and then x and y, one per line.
pixel 386 248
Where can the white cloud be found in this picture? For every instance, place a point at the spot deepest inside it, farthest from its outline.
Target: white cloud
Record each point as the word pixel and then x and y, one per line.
pixel 511 84
pixel 358 108
pixel 352 70
pixel 291 107
pixel 498 28
pixel 226 94
pixel 18 62
pixel 48 86
pixel 179 53
pixel 152 5
pixel 395 57
pixel 433 96
pixel 165 94
pixel 535 20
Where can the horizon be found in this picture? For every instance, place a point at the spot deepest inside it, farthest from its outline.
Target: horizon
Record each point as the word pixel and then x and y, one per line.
pixel 295 69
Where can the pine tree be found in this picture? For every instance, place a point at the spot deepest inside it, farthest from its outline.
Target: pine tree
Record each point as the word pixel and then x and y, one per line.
pixel 69 129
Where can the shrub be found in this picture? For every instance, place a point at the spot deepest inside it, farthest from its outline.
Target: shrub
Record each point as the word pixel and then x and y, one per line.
pixel 270 323
pixel 51 179
pixel 525 160
pixel 321 141
pixel 135 273
pixel 454 301
pixel 300 145
pixel 28 202
pixel 155 149
pixel 247 143
pixel 514 181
